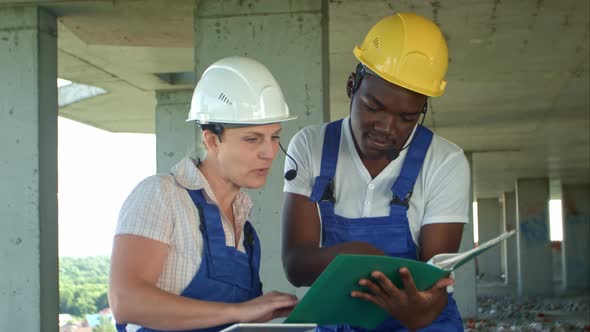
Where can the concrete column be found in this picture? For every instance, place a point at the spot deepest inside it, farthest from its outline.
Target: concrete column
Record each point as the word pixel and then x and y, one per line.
pixel 29 298
pixel 488 215
pixel 555 194
pixel 509 245
pixel 576 236
pixel 465 293
pixel 291 39
pixel 535 273
pixel 175 138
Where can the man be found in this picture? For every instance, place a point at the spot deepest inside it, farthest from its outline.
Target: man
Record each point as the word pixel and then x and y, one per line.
pixel 378 183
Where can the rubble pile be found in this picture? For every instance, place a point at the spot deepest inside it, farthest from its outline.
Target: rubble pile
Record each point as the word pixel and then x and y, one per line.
pixel 531 314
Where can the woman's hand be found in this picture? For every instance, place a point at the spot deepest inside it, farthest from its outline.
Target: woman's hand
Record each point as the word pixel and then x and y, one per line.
pixel 266 307
pixel 414 309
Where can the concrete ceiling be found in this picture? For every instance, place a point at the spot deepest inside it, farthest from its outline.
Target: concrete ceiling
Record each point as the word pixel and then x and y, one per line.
pixel 518 80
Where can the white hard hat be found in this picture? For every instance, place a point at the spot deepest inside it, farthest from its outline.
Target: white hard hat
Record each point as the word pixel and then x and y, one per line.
pixel 238 90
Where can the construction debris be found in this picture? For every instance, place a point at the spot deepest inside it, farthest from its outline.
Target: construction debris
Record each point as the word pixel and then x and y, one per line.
pixel 531 314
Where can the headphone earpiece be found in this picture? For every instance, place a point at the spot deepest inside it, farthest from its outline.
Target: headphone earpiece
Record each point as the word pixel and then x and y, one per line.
pixel 359 73
pixel 216 128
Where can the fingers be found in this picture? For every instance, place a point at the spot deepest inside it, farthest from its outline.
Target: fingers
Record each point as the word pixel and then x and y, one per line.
pixel 444 283
pixel 367 297
pixel 282 312
pixel 385 283
pixel 277 294
pixel 382 290
pixel 408 281
pixel 281 300
pixel 376 291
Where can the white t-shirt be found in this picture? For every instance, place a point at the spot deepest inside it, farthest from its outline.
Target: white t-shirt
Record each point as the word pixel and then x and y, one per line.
pixel 441 192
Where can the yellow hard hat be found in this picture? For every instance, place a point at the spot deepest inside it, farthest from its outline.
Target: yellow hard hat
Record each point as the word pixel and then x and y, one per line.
pixel 407 50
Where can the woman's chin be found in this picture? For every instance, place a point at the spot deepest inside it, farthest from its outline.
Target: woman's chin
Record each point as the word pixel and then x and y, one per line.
pixel 254 183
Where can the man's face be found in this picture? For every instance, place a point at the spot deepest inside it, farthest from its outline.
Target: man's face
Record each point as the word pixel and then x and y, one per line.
pixel 382 116
pixel 246 154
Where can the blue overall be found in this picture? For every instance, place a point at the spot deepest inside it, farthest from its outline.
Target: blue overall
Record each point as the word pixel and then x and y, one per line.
pixel 225 274
pixel 391 234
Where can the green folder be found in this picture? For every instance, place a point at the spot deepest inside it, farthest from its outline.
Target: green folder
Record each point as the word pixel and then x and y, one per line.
pixel 328 301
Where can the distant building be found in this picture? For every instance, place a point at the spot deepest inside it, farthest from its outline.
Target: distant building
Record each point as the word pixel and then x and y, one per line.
pixel 64 319
pixel 94 319
pixel 73 327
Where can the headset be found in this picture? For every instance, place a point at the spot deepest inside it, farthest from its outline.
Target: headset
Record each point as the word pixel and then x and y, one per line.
pixel 292 173
pixel 215 127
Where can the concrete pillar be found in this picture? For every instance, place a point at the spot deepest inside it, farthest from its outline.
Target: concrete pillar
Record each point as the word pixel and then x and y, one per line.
pixel 509 245
pixel 175 138
pixel 291 39
pixel 29 298
pixel 465 293
pixel 576 236
pixel 535 273
pixel 555 229
pixel 488 215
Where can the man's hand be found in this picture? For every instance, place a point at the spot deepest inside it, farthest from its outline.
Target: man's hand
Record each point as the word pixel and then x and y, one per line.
pixel 414 309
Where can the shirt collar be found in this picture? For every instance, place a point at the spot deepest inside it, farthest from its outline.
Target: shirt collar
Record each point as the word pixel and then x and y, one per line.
pixel 187 174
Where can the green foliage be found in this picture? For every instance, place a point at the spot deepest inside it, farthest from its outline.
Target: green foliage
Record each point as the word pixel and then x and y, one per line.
pixel 83 285
pixel 105 325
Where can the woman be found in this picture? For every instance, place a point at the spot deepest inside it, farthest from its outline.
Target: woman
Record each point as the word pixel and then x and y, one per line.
pixel 184 256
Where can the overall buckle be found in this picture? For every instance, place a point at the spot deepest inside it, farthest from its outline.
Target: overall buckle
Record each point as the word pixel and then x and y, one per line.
pixel 403 202
pixel 328 195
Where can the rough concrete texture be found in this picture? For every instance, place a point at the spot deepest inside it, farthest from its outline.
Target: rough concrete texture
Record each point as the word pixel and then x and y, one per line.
pixel 499 309
pixel 524 314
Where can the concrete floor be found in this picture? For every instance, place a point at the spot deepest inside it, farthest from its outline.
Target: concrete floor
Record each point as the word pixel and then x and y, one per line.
pixel 499 309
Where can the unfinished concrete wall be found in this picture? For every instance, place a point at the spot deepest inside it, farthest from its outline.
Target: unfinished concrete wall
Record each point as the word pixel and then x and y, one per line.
pixel 490 226
pixel 175 138
pixel 535 273
pixel 509 220
pixel 576 236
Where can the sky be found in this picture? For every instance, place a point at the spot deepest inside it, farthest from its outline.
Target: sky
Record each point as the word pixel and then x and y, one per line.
pixel 97 169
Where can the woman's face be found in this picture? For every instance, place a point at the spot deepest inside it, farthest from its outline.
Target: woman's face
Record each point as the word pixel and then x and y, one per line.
pixel 245 154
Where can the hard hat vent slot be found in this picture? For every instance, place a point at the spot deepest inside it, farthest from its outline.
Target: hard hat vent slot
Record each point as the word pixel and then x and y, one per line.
pixel 375 42
pixel 224 99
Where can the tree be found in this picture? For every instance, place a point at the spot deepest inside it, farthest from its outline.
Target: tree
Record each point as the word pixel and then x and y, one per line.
pixel 83 284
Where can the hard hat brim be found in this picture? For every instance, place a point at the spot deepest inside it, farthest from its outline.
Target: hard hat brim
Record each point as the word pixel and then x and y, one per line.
pixel 249 122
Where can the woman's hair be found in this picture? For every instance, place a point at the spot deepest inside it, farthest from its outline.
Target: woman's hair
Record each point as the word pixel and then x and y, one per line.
pixel 199 152
pixel 214 127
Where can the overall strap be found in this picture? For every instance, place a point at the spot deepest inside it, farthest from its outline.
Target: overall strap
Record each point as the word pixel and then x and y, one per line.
pixel 404 184
pixel 252 245
pixel 323 189
pixel 210 218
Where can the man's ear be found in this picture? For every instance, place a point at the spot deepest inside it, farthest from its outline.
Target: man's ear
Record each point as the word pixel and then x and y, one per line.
pixel 350 84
